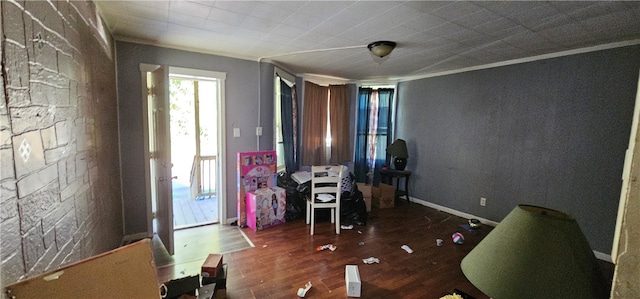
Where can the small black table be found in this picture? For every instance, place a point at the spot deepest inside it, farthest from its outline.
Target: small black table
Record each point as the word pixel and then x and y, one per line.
pixel 387 176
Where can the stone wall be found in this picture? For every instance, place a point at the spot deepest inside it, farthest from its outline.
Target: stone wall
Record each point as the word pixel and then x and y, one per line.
pixel 60 174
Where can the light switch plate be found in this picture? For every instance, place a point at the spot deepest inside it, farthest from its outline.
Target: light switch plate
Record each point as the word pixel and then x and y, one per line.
pixel 236 132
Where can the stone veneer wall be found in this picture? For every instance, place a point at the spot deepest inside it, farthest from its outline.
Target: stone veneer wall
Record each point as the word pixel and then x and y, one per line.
pixel 60 176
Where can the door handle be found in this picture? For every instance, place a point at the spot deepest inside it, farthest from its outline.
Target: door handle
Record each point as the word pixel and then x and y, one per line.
pixel 162 179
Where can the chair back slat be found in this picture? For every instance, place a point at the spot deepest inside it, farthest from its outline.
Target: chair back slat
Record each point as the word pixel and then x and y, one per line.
pixel 326 180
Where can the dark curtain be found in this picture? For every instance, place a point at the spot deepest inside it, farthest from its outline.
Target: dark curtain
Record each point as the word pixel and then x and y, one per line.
pixel 286 103
pixel 362 128
pixel 382 135
pixel 294 105
pixel 373 133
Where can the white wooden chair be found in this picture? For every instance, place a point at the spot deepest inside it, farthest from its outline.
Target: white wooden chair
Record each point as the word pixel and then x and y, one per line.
pixel 326 182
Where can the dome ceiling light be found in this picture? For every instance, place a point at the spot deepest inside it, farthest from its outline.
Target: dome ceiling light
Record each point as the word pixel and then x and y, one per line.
pixel 381 48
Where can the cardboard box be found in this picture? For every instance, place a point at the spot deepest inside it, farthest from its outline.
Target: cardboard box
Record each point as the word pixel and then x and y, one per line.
pixel 352 279
pixel 365 189
pixel 266 207
pixel 211 265
pixel 383 196
pixel 366 194
pixel 125 272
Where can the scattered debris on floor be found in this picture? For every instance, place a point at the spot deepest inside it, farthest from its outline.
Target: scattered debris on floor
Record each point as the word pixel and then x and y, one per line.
pixel 453 296
pixel 457 238
pixel 371 260
pixel 350 226
pixel 303 291
pixel 407 248
pixel 361 243
pixel 327 246
pixel 352 280
pixel 473 226
pixel 439 242
pixel 475 223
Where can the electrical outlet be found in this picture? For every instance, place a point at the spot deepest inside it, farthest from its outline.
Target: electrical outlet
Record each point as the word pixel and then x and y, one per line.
pixel 483 201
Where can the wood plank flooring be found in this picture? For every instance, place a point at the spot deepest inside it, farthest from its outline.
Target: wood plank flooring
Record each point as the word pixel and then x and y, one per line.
pixel 192 247
pixel 285 257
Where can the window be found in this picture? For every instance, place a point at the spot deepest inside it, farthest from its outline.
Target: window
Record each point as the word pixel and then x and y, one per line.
pixel 374 132
pixel 285 121
pixel 326 137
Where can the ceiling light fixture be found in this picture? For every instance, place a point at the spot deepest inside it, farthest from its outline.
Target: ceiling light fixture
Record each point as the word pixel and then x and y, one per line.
pixel 381 48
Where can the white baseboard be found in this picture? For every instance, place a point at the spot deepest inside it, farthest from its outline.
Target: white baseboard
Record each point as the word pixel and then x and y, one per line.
pixel 134 237
pixel 599 255
pixel 452 211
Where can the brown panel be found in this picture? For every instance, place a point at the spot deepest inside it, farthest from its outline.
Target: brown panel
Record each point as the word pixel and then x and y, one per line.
pixel 125 272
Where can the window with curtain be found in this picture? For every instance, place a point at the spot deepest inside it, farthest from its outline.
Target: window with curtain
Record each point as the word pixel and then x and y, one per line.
pixel 325 135
pixel 286 115
pixel 374 128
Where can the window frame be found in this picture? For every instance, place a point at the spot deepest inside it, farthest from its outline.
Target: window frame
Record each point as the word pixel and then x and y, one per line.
pixel 278 137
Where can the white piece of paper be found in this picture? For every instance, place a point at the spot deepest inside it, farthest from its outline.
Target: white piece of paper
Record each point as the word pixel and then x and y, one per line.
pixel 301 177
pixel 325 197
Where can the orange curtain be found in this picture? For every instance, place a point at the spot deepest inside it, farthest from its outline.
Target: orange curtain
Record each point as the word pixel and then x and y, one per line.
pixel 339 119
pixel 314 124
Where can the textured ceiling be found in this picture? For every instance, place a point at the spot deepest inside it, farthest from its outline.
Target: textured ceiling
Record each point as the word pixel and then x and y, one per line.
pixel 329 38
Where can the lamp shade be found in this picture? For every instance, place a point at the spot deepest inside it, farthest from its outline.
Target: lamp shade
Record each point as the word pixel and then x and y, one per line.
pixel 398 149
pixel 535 253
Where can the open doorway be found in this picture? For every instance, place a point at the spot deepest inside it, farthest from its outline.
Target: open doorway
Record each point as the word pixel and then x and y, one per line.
pixel 182 155
pixel 194 156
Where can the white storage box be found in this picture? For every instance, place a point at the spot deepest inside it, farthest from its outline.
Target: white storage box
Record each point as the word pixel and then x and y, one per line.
pixel 352 278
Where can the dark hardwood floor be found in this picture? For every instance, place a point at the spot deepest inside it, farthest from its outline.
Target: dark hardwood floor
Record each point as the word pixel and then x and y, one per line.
pixel 285 257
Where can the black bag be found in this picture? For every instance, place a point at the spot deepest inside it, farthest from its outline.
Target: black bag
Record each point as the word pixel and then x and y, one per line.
pixel 353 209
pixel 295 203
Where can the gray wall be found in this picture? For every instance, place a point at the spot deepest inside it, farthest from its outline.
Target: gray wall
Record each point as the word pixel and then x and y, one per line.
pixel 60 203
pixel 241 112
pixel 551 133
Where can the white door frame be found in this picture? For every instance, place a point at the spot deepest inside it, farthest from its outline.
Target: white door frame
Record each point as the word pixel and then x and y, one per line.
pixel 196 74
pixel 144 69
pixel 222 139
pixel 631 153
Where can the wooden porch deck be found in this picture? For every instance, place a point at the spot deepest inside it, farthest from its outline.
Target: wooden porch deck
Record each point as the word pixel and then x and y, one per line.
pixel 188 212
